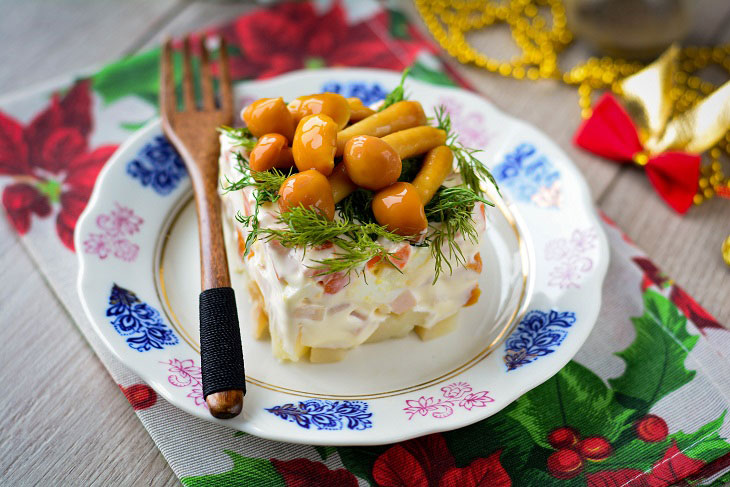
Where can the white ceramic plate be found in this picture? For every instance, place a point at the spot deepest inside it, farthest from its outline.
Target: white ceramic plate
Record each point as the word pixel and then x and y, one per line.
pixel 545 257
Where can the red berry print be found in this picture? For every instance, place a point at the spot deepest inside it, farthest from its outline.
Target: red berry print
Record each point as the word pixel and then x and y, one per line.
pixel 651 428
pixel 140 396
pixel 595 448
pixel 564 464
pixel 564 437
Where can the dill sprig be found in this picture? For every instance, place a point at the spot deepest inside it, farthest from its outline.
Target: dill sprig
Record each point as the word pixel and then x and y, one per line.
pixel 472 170
pixel 358 251
pixel 241 136
pixel 398 93
pixel 410 168
pixel 357 206
pixel 266 189
pixel 266 183
pixel 452 207
pixel 357 243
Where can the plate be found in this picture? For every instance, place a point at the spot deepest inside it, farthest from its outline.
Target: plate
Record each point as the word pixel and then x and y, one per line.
pixel 545 257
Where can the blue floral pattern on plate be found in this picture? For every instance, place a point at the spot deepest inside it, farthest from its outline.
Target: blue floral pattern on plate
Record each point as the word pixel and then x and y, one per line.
pixel 529 176
pixel 158 166
pixel 138 321
pixel 326 415
pixel 368 93
pixel 538 334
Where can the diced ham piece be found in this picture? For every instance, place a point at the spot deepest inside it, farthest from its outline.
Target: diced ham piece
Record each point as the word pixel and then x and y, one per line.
pixel 333 283
pixel 277 247
pixel 324 246
pixel 314 313
pixel 404 302
pixel 399 257
pixel 337 308
pixel 358 315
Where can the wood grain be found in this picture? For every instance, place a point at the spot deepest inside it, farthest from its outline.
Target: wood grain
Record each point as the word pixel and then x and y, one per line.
pixel 78 429
pixel 44 39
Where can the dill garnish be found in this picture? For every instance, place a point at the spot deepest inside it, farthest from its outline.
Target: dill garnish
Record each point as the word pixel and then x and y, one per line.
pixel 266 182
pixel 472 170
pixel 266 189
pixel 411 166
pixel 452 207
pixel 357 243
pixel 356 207
pixel 398 93
pixel 241 136
pixel 355 233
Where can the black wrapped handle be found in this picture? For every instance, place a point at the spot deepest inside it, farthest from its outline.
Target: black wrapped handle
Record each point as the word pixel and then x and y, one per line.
pixel 221 354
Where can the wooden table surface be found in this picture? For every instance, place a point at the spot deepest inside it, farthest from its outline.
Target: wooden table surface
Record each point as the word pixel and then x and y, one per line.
pixel 64 421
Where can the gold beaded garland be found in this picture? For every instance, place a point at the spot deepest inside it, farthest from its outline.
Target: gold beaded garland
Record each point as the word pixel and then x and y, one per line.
pixel 541 42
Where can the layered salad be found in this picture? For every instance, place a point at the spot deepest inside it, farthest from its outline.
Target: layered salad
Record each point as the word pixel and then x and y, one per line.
pixel 351 224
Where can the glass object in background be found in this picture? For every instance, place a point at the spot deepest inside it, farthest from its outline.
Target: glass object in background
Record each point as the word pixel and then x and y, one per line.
pixel 634 29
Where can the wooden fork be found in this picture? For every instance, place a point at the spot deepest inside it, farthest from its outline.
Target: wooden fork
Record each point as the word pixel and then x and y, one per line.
pixel 192 131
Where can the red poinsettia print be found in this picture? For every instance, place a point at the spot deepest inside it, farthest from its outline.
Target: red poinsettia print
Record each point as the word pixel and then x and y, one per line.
pixel 482 472
pixel 306 473
pixel 672 468
pixel 50 163
pixel 689 307
pixel 627 477
pixel 140 396
pixel 294 35
pixel 427 462
pixel 701 318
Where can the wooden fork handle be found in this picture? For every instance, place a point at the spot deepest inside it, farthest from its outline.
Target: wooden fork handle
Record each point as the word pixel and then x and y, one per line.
pixel 221 354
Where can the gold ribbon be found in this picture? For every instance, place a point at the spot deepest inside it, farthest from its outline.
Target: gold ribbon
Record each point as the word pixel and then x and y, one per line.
pixel 647 99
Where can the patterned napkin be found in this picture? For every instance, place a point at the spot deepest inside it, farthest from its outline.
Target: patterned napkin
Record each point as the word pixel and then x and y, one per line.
pixel 644 402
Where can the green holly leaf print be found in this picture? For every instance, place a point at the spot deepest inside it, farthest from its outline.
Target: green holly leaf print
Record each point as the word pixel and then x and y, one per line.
pixel 360 460
pixel 575 397
pixel 533 477
pixel 245 471
pixel 498 432
pixel 655 360
pixel 135 75
pixel 398 24
pixel 636 454
pixel 421 72
pixel 705 444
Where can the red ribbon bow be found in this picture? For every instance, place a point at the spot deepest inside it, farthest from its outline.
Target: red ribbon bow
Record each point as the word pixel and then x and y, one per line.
pixel 611 133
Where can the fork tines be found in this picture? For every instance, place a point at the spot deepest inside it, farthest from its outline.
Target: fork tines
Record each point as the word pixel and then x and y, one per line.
pixel 168 98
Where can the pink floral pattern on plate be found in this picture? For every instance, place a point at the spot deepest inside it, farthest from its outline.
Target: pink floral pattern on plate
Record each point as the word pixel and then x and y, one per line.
pixel 115 227
pixel 469 124
pixel 571 259
pixel 455 395
pixel 185 374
